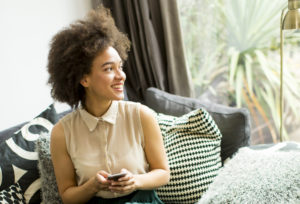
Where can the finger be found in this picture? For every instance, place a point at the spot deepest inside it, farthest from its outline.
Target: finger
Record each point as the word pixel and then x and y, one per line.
pixel 124 178
pixel 117 188
pixel 123 183
pixel 127 177
pixel 121 189
pixel 102 179
pixel 103 186
pixel 124 170
pixel 103 173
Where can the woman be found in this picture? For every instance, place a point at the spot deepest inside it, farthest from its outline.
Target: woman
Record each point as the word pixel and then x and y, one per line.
pixel 103 135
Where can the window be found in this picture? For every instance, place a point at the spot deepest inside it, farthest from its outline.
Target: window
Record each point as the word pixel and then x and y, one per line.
pixel 232 48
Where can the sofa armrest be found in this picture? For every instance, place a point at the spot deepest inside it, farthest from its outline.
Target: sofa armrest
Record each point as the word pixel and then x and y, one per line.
pixel 234 123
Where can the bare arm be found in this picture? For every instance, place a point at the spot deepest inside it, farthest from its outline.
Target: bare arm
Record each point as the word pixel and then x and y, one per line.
pixel 155 152
pixel 65 173
pixel 159 173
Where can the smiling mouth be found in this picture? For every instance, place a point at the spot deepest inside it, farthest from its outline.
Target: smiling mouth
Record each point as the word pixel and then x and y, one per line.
pixel 118 87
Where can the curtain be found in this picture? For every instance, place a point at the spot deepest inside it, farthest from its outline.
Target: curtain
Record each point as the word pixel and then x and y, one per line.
pixel 157 57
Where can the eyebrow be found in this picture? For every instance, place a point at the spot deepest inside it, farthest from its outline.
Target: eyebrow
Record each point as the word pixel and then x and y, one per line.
pixel 109 63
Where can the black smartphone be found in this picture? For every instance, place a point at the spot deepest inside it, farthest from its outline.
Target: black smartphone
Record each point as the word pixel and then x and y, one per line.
pixel 115 177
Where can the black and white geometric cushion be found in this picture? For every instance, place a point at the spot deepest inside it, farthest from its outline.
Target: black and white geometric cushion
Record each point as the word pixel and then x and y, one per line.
pixel 19 158
pixel 192 144
pixel 12 194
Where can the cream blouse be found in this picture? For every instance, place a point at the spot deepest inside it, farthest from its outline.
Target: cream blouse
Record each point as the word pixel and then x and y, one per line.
pixel 111 142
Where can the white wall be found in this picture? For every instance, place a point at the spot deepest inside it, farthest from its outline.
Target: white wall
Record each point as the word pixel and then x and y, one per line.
pixel 26 28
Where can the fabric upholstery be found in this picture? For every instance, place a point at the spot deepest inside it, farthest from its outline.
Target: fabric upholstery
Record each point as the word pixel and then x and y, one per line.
pixel 7 133
pixel 192 144
pixel 49 188
pixel 19 159
pixel 258 175
pixel 13 194
pixel 234 123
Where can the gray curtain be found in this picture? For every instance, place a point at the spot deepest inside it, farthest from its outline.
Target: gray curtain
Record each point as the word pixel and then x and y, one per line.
pixel 157 57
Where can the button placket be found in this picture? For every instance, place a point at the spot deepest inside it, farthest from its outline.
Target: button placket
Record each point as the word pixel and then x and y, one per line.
pixel 107 161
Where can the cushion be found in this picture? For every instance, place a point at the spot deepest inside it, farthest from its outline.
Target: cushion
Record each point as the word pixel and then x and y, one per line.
pixel 13 194
pixel 49 187
pixel 7 133
pixel 19 159
pixel 192 144
pixel 258 175
pixel 234 123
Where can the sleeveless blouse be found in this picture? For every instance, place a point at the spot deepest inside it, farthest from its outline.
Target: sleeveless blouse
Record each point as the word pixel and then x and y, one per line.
pixel 111 142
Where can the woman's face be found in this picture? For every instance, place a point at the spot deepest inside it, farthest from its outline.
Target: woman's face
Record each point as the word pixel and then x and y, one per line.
pixel 106 80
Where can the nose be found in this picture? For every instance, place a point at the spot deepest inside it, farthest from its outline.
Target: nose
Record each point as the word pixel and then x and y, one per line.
pixel 120 75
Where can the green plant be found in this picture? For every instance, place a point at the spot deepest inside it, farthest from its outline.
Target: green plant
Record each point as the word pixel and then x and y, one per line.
pixel 241 44
pixel 253 74
pixel 200 30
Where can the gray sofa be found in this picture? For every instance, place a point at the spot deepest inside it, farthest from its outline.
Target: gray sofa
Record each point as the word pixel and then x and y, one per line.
pixel 234 124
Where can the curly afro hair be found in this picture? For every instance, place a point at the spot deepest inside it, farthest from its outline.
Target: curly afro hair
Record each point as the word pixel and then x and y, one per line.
pixel 73 50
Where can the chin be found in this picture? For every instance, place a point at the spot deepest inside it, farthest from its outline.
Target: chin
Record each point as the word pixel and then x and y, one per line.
pixel 119 97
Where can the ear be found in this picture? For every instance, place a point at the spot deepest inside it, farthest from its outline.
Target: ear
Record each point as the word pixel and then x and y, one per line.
pixel 84 81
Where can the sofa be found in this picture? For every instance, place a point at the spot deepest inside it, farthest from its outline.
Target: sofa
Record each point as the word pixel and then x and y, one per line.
pixel 199 137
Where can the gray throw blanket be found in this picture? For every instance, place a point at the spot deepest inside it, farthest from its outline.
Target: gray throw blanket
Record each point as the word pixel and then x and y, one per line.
pixel 264 175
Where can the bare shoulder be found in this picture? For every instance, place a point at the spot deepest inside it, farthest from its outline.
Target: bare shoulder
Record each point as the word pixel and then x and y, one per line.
pixel 147 113
pixel 57 134
pixel 57 129
pixel 148 120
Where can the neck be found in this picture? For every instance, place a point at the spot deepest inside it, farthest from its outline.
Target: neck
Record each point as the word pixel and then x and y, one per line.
pixel 97 109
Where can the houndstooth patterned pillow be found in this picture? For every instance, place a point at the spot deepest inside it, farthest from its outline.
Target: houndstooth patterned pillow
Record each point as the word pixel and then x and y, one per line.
pixel 192 143
pixel 12 194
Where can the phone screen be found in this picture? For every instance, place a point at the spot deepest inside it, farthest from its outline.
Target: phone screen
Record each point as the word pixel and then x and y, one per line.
pixel 115 177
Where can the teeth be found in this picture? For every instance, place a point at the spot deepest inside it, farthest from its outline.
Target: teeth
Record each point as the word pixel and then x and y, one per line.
pixel 118 86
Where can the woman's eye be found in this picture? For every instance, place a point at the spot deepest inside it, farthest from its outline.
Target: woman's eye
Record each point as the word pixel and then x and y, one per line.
pixel 108 69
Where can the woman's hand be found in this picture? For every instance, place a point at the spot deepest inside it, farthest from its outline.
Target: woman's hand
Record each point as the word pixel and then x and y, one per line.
pixel 124 184
pixel 101 181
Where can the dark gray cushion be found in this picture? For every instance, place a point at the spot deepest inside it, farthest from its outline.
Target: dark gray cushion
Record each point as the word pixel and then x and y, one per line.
pixel 234 123
pixel 7 133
